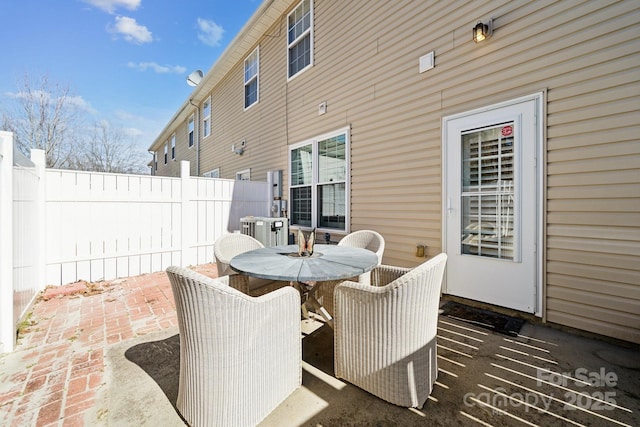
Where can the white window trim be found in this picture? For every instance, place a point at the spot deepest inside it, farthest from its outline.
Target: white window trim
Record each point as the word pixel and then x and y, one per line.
pixel 206 118
pixel 173 146
pixel 244 172
pixel 311 40
pixel 166 152
pixel 256 78
pixel 314 180
pixel 191 137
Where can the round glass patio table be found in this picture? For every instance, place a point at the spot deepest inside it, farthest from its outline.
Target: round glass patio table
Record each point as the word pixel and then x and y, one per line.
pixel 328 262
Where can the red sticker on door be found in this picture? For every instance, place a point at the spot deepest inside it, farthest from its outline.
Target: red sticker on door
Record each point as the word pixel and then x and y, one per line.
pixel 507 131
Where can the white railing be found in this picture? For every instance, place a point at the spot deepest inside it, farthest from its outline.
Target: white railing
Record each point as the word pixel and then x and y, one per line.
pixel 60 226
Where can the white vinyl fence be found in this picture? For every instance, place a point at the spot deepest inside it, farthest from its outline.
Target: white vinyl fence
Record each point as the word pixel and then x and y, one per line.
pixel 21 227
pixel 59 226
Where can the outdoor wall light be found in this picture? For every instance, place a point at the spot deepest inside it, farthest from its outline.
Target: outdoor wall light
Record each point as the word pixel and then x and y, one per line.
pixel 482 31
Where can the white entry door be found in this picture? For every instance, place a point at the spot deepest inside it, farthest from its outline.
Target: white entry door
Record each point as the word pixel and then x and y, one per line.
pixel 491 204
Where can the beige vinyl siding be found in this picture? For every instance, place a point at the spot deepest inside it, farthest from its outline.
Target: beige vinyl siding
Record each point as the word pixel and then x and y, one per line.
pixel 593 164
pixel 590 73
pixel 183 152
pixel 262 126
pixel 585 57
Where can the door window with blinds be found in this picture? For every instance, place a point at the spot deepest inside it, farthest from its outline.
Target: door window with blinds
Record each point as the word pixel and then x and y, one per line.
pixel 488 192
pixel 319 182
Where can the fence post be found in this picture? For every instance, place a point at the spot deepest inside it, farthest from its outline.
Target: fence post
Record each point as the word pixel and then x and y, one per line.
pixel 7 327
pixel 38 158
pixel 186 215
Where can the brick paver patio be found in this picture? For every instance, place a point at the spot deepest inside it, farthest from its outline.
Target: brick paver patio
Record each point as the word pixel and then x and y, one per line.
pixel 54 374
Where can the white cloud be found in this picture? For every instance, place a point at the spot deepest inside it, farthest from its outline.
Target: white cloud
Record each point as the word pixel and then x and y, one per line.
pixel 131 30
pixel 24 95
pixel 36 95
pixel 110 6
pixel 81 104
pixel 125 115
pixel 132 132
pixel 160 69
pixel 210 32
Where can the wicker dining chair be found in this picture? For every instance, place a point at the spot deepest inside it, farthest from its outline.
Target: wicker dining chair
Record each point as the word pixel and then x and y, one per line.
pixel 229 245
pixel 365 239
pixel 385 333
pixel 240 356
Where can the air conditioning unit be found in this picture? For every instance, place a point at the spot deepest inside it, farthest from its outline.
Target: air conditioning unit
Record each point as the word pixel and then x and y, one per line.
pixel 268 231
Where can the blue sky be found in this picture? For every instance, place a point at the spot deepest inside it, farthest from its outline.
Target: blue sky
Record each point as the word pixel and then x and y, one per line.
pixel 126 61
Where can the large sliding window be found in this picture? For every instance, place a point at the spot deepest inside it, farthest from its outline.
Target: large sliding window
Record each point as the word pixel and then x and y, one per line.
pixel 251 72
pixel 300 38
pixel 319 185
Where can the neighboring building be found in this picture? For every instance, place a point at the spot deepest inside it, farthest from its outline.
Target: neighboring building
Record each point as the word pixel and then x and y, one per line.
pixel 518 155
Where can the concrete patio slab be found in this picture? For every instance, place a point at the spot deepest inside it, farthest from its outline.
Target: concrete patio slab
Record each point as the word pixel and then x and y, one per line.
pixel 110 357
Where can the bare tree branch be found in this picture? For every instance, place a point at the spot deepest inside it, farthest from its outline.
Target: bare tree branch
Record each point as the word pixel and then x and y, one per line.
pixel 45 120
pixel 108 150
pixel 49 118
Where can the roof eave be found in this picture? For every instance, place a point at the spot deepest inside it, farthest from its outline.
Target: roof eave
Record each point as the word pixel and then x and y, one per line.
pixel 263 18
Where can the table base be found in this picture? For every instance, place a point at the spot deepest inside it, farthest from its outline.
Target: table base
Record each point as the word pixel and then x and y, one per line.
pixel 308 296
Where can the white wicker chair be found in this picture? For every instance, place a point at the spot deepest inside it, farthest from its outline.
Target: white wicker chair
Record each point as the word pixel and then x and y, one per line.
pixel 385 334
pixel 366 239
pixel 229 245
pixel 240 356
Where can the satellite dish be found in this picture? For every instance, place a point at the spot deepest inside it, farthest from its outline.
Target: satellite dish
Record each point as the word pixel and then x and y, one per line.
pixel 194 78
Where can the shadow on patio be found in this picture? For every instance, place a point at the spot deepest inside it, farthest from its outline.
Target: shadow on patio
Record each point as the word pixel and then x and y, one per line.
pixel 541 377
pixel 111 357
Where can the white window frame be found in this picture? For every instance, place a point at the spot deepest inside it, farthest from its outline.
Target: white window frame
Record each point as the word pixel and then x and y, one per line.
pixel 206 118
pixel 303 35
pixel 191 124
pixel 213 173
pixel 252 78
pixel 166 151
pixel 173 146
pixel 315 182
pixel 240 174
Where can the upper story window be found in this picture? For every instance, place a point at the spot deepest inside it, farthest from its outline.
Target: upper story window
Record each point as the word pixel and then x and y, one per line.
pixel 173 146
pixel 206 117
pixel 155 162
pixel 251 71
pixel 319 186
pixel 300 38
pixel 190 129
pixel 166 149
